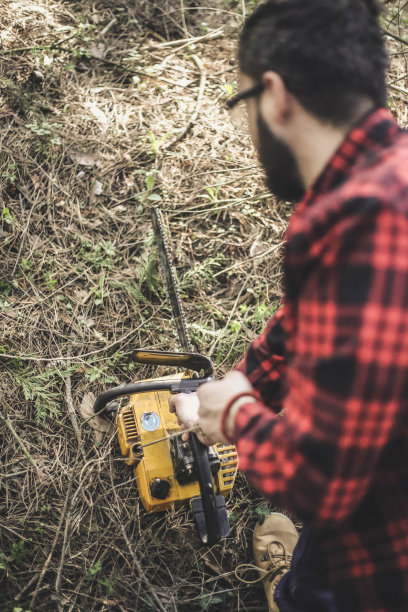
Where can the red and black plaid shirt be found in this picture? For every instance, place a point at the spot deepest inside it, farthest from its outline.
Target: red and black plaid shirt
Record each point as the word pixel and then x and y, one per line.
pixel 335 359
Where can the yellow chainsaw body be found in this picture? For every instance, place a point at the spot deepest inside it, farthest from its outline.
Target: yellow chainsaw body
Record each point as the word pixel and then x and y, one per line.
pixel 135 422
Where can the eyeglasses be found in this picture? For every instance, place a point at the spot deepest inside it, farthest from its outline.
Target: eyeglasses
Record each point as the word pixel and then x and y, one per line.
pixel 249 93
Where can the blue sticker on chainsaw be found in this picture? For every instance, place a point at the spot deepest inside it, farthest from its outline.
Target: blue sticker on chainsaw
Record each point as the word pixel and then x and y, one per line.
pixel 150 421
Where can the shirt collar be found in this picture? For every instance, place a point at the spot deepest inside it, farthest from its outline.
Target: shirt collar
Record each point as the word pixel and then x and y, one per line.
pixel 374 130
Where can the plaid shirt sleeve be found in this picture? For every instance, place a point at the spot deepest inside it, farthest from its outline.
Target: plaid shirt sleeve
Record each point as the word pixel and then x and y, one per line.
pixel 264 363
pixel 346 369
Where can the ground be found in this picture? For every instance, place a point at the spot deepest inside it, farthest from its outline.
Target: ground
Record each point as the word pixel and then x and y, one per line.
pixel 107 109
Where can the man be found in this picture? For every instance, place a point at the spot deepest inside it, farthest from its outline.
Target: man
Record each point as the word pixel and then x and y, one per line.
pixel 335 357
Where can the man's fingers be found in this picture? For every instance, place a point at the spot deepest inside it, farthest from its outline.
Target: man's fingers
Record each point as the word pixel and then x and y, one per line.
pixel 185 405
pixel 175 400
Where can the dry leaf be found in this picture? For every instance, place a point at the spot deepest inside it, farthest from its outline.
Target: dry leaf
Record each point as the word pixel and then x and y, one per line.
pixel 35 180
pixel 83 295
pixel 97 113
pixel 98 50
pixel 84 158
pixel 98 423
pixel 97 188
pixel 47 60
pixel 257 248
pixel 96 18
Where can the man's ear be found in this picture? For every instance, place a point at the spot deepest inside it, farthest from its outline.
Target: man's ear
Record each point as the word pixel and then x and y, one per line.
pixel 277 102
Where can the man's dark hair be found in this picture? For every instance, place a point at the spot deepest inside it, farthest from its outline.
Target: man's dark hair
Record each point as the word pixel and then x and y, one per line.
pixel 329 53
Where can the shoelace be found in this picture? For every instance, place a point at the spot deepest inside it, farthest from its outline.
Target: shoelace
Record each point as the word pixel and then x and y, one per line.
pixel 280 564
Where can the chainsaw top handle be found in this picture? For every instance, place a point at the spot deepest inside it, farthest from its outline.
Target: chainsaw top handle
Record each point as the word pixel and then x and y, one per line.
pixel 184 385
pixel 186 360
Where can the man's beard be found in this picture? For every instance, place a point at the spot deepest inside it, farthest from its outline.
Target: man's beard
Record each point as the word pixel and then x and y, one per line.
pixel 281 168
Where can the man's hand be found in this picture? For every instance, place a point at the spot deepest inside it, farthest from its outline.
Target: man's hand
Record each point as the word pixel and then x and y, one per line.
pixel 205 407
pixel 214 397
pixel 185 405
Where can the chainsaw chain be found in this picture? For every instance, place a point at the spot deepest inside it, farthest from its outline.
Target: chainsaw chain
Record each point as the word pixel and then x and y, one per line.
pixel 173 292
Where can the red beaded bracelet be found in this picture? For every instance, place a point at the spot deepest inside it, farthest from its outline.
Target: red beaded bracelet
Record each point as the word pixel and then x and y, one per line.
pixel 228 407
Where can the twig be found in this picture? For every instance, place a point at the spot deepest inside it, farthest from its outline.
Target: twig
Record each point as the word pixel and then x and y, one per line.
pixel 404 76
pixel 400 89
pixel 194 116
pixel 55 45
pixel 19 441
pixel 91 56
pixel 72 413
pixel 133 555
pixel 212 348
pixel 183 42
pixel 56 537
pixel 108 27
pixel 135 71
pixel 271 249
pixel 64 551
pixel 33 203
pixel 226 204
pixel 395 37
pixel 140 570
pixel 77 358
pixel 25 587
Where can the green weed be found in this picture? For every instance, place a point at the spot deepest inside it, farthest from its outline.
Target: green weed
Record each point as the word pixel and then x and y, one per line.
pixel 132 288
pixel 7 217
pixel 49 280
pixel 3 561
pixel 156 143
pixel 18 551
pixel 147 194
pixel 218 597
pixel 94 569
pixel 26 264
pixel 40 529
pixel 100 292
pixel 212 192
pixel 101 372
pixel 47 138
pixel 6 289
pixel 64 300
pixel 146 273
pixel 105 584
pixel 100 255
pixel 41 388
pixel 202 272
pixel 10 174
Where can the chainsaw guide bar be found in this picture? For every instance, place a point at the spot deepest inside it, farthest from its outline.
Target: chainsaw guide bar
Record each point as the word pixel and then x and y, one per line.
pixel 166 265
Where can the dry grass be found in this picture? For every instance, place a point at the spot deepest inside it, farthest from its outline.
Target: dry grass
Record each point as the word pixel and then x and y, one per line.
pixel 105 111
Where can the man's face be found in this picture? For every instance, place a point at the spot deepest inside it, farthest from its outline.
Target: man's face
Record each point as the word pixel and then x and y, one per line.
pixel 282 173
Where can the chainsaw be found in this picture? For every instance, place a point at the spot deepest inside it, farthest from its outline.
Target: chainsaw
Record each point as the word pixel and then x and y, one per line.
pixel 171 472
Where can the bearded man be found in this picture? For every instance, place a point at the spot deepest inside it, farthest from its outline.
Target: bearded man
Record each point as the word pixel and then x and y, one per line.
pixel 318 407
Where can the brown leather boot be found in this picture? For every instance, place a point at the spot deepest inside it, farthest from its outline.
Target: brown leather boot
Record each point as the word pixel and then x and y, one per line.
pixel 273 544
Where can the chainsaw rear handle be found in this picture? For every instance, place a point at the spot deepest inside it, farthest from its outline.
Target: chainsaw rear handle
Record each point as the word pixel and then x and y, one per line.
pixel 184 385
pixel 208 497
